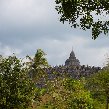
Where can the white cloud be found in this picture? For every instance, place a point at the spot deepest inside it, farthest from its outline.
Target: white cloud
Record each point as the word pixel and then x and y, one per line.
pixel 26 25
pixel 58 51
pixel 7 51
pixel 26 12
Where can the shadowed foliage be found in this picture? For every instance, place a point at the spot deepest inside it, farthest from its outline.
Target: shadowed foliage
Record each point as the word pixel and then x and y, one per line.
pixel 85 14
pixel 16 88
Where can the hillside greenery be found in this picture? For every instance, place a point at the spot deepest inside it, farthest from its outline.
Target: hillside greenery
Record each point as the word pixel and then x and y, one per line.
pixel 19 86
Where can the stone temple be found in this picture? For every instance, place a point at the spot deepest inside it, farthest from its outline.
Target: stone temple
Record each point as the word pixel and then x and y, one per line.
pixel 72 61
pixel 72 68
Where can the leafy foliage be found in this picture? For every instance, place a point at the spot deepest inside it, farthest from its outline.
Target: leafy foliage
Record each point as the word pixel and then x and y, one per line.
pixel 68 93
pixel 85 14
pixel 16 88
pixel 98 84
pixel 37 65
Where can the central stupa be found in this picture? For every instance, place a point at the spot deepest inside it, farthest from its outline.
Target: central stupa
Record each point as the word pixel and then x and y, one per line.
pixel 72 61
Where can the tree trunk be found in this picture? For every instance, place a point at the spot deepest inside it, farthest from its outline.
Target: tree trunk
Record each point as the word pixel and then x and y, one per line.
pixel 107 101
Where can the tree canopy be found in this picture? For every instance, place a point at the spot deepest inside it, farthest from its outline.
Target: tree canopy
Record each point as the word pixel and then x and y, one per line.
pixel 37 65
pixel 16 88
pixel 85 14
pixel 98 84
pixel 68 93
pixel 20 86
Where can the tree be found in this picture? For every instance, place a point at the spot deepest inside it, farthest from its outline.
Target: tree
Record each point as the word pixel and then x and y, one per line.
pixel 85 14
pixel 68 93
pixel 80 98
pixel 16 88
pixel 37 65
pixel 98 84
pixel 1 57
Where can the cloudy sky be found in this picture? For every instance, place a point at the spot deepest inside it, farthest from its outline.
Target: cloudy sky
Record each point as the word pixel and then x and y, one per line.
pixel 26 25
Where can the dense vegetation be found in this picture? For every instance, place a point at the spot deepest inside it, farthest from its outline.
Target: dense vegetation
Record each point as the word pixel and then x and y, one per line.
pixel 19 87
